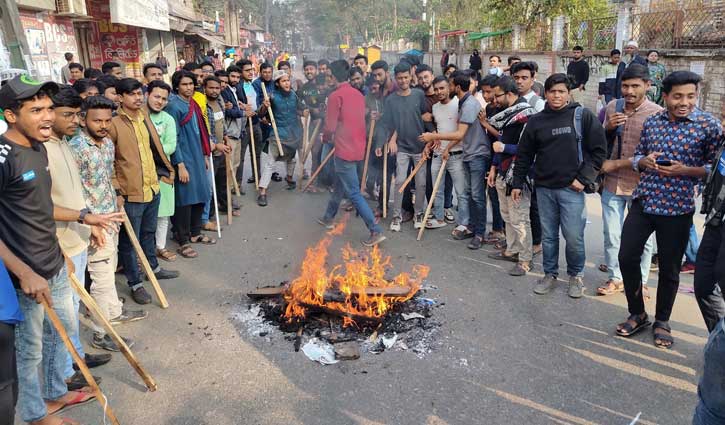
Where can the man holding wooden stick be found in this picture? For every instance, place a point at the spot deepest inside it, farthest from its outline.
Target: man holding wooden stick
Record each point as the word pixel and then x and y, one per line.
pixel 32 254
pixel 138 153
pixel 403 122
pixel 94 153
pixel 345 126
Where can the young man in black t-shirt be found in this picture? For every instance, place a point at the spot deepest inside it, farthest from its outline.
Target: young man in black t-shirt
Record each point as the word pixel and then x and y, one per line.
pixel 30 250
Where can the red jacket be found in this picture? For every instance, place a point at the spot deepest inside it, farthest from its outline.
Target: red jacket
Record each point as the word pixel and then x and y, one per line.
pixel 346 122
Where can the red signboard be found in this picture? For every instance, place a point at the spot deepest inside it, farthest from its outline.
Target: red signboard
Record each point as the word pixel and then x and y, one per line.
pixel 111 42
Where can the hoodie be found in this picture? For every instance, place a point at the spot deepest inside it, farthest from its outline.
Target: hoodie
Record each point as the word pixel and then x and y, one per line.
pixel 549 143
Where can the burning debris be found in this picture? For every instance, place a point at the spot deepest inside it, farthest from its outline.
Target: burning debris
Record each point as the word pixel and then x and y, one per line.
pixel 353 307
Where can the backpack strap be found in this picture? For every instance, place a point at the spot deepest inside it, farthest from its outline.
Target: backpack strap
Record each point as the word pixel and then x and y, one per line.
pixel 578 129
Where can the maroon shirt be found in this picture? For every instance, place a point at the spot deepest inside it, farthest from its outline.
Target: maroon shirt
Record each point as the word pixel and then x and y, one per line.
pixel 345 122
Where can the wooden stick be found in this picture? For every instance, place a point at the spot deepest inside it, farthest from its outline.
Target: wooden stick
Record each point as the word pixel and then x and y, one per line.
pixel 233 175
pixel 254 154
pixel 102 400
pixel 214 196
pixel 385 181
pixel 300 154
pixel 417 167
pixel 96 311
pixel 319 169
pixel 229 189
pixel 437 183
pixel 367 155
pixel 312 140
pixel 274 123
pixel 144 261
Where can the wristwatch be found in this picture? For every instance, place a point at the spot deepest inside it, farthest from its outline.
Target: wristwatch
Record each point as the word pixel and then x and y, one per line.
pixel 83 214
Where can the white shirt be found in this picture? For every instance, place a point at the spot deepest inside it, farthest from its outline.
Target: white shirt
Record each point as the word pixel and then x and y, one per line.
pixel 539 106
pixel 446 118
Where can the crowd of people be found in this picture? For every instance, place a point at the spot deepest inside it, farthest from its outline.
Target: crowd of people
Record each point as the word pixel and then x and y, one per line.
pixel 80 158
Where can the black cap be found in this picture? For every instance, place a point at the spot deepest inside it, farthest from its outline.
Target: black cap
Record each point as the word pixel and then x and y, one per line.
pixel 23 87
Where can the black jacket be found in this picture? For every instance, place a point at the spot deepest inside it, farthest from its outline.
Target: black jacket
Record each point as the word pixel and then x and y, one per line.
pixel 713 195
pixel 475 62
pixel 549 143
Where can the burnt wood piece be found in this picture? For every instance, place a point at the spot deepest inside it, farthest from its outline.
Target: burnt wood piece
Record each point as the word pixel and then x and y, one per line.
pixel 331 295
pixel 355 317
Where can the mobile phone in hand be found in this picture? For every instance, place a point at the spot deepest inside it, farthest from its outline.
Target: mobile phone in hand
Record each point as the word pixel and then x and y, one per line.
pixel 664 162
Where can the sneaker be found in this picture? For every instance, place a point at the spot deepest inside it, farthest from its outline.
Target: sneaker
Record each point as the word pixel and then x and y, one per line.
pixel 106 343
pixel 544 285
pixel 407 216
pixel 375 238
pixel 250 180
pixel 418 221
pixel 576 287
pixel 165 274
pixel 94 360
pixel 434 223
pixel 327 224
pixel 448 215
pixel 476 242
pixel 395 224
pixel 262 200
pixel 687 268
pixel 128 316
pixel 141 296
pixel 276 177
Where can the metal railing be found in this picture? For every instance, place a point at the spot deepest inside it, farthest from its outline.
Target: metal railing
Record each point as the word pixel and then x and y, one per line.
pixel 680 29
pixel 592 34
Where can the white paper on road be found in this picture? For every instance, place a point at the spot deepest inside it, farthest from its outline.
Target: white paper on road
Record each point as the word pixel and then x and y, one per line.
pixel 319 351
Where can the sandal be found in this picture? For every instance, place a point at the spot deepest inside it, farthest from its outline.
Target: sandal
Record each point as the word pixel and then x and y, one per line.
pixel 665 339
pixel 611 287
pixel 209 227
pixel 501 256
pixel 187 251
pixel 626 329
pixel 80 399
pixel 603 268
pixel 460 235
pixel 203 239
pixel 500 245
pixel 236 213
pixel 165 254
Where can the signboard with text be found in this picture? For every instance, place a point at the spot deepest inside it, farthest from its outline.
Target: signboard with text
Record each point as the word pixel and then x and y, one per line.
pixel 152 14
pixel 111 41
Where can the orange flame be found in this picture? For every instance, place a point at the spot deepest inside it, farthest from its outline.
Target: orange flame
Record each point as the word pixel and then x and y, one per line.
pixel 361 280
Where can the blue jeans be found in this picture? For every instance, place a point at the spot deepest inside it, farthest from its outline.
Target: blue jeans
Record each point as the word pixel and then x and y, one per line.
pixel 347 185
pixel 35 344
pixel 692 246
pixel 209 205
pixel 476 169
pixel 454 168
pixel 710 408
pixel 79 261
pixel 497 223
pixel 565 209
pixel 613 207
pixel 328 172
pixel 143 217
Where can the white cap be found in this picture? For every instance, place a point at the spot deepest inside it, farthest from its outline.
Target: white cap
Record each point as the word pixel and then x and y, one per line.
pixel 632 43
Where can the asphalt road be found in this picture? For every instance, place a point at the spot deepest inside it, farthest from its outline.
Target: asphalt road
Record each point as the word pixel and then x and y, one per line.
pixel 504 354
